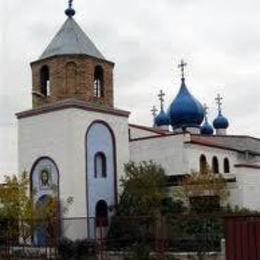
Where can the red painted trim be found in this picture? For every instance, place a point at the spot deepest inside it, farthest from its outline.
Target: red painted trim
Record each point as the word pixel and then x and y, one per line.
pixel 213 145
pixel 155 136
pixel 114 159
pixel 228 136
pixel 212 141
pixel 149 129
pixel 71 103
pixel 247 166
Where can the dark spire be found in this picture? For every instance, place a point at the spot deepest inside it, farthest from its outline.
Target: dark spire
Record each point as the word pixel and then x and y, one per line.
pixel 70 12
pixel 161 98
pixel 182 65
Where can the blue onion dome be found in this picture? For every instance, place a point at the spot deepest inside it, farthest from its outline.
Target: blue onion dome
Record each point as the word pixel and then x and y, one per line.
pixel 206 129
pixel 185 110
pixel 220 122
pixel 161 119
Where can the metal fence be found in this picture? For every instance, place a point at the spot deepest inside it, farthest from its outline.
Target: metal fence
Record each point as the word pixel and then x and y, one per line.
pixel 88 238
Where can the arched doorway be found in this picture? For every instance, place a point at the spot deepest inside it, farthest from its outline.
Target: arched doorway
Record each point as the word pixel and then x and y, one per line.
pixel 101 214
pixel 47 229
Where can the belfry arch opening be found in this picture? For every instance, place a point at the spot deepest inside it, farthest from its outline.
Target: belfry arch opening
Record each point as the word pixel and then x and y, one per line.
pixel 45 81
pixel 98 82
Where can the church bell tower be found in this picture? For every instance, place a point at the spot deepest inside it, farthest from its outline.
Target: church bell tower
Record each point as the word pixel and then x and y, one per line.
pixel 72 68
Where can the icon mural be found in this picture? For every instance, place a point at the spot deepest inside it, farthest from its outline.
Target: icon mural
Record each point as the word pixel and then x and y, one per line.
pixel 45 178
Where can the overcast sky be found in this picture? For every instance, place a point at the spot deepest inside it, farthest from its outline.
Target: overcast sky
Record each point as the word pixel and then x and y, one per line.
pixel 146 39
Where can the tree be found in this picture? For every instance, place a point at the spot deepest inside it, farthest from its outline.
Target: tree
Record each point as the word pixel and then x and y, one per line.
pixel 143 189
pixel 203 190
pixel 17 209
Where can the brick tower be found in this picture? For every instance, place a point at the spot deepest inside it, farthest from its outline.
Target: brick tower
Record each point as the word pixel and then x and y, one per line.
pixel 72 67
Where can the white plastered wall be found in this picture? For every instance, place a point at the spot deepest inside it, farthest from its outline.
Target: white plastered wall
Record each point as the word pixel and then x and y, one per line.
pixel 60 135
pixel 166 150
pixel 248 180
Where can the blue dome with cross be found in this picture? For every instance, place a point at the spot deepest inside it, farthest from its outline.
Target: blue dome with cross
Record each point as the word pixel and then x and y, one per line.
pixel 185 110
pixel 206 128
pixel 220 122
pixel 161 119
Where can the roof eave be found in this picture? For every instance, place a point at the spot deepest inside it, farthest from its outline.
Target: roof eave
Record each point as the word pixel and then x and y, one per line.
pixel 71 55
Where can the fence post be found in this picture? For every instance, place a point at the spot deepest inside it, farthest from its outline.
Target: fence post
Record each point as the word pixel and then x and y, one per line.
pixel 160 237
pixel 101 239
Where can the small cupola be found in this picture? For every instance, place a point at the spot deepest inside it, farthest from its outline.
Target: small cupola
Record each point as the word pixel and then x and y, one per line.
pixel 206 128
pixel 185 112
pixel 72 67
pixel 220 123
pixel 162 120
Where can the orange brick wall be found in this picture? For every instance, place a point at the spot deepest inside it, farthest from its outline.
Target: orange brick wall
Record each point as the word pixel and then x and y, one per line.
pixel 79 86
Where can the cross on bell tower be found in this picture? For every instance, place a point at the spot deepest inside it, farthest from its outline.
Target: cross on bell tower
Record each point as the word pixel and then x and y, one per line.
pixel 161 98
pixel 182 66
pixel 72 67
pixel 70 11
pixel 219 100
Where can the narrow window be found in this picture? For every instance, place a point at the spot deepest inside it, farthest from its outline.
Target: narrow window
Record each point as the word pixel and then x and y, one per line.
pixel 45 81
pixel 203 164
pixel 100 162
pixel 98 82
pixel 101 214
pixel 215 167
pixel 226 166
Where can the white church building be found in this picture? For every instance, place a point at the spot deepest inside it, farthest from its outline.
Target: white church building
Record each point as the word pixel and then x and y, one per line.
pixel 74 138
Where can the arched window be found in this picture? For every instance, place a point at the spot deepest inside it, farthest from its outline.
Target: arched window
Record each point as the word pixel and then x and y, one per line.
pixel 226 166
pixel 71 77
pixel 215 167
pixel 101 214
pixel 98 82
pixel 100 164
pixel 203 164
pixel 45 81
